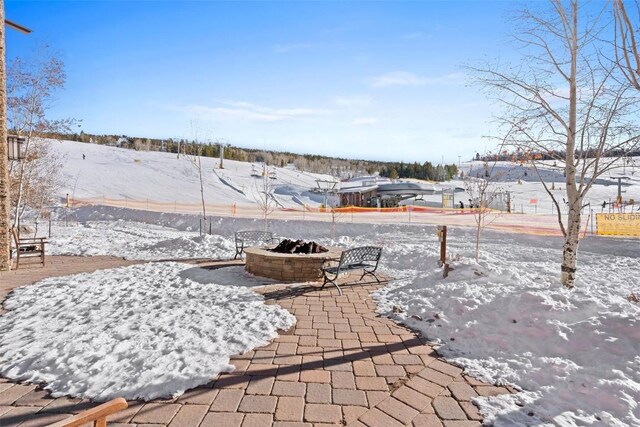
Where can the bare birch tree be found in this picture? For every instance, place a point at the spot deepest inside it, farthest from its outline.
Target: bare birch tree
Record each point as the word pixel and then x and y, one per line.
pixel 563 101
pixel 193 154
pixel 35 184
pixel 482 191
pixel 264 197
pixel 627 40
pixel 31 87
pixel 336 216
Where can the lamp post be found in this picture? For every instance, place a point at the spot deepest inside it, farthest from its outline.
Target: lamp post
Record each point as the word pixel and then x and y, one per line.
pixel 5 201
pixel 15 147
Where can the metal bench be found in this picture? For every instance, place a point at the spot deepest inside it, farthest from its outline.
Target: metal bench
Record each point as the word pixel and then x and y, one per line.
pixel 365 258
pixel 32 247
pixel 247 238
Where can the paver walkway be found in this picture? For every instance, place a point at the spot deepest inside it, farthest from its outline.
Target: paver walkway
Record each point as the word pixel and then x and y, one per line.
pixel 340 364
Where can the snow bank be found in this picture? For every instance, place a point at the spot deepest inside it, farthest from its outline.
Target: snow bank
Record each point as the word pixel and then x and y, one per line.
pixel 137 241
pixel 140 332
pixel 574 353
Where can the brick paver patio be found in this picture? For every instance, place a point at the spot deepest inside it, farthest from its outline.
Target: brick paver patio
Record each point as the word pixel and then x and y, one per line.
pixel 340 365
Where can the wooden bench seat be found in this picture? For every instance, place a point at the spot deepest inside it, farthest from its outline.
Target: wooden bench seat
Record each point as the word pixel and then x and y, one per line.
pixel 97 416
pixel 28 248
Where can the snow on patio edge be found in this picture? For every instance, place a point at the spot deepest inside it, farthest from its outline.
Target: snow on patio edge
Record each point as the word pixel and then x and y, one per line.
pixel 138 332
pixel 574 353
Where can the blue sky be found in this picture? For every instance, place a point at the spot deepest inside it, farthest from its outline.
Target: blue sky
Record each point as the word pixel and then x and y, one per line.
pixel 371 80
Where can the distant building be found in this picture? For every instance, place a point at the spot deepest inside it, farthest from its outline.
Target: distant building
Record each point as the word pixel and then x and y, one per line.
pixel 373 192
pixel 363 196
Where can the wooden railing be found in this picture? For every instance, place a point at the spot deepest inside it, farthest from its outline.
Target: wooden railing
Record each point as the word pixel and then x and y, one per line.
pixel 98 414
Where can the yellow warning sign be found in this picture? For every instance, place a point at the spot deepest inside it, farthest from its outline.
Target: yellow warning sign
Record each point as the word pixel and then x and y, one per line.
pixel 618 224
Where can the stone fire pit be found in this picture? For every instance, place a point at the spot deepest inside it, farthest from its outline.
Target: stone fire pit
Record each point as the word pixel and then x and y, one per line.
pixel 260 261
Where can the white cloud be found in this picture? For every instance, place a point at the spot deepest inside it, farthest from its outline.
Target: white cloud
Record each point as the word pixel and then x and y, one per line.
pixel 416 35
pixel 364 121
pixel 248 112
pixel 404 78
pixel 353 101
pixel 284 48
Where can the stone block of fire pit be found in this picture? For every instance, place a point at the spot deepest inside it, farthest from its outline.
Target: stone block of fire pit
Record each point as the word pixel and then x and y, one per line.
pixel 287 267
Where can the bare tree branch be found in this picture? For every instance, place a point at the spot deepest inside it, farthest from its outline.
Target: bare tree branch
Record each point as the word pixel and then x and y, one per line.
pixel 564 102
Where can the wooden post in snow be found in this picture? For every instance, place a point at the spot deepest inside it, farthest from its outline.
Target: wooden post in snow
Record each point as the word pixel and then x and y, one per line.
pixel 442 237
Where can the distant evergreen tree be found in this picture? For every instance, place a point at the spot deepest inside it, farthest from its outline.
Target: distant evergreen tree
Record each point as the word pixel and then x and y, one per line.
pixel 429 173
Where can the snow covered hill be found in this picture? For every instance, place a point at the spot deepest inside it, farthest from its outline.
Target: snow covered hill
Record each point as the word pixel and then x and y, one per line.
pixel 118 173
pixel 114 172
pixel 523 183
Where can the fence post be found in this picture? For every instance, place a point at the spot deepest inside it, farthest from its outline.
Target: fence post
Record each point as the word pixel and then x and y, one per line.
pixel 442 237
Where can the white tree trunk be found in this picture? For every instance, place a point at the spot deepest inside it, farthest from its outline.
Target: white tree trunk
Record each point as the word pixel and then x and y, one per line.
pixel 572 233
pixel 204 209
pixel 570 248
pixel 18 212
pixel 478 230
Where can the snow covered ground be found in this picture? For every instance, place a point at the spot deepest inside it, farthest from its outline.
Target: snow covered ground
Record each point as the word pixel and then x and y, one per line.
pixel 136 241
pixel 575 354
pixel 140 332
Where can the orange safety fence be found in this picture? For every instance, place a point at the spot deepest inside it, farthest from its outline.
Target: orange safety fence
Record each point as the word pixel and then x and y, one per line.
pixel 233 207
pixel 406 208
pixel 518 223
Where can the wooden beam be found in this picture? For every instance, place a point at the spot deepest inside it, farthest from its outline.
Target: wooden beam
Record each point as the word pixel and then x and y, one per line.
pixel 16 26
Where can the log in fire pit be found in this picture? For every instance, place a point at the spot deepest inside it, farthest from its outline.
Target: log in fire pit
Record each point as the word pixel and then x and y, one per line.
pixel 288 246
pixel 290 261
